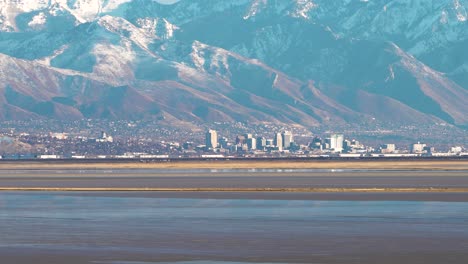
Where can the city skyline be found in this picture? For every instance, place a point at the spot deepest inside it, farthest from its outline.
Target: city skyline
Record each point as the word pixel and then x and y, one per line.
pixel 93 140
pixel 233 131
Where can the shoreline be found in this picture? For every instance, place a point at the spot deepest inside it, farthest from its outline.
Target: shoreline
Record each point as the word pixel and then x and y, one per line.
pixel 242 190
pixel 359 164
pixel 296 179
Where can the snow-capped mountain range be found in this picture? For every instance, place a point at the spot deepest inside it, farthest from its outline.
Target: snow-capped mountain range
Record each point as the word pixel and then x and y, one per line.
pixel 294 61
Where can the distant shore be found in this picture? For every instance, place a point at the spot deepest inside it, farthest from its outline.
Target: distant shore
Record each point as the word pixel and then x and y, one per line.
pixel 358 164
pixel 241 190
pixel 424 179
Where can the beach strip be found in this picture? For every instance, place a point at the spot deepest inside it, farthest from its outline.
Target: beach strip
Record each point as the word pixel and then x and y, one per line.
pixel 288 190
pixel 368 164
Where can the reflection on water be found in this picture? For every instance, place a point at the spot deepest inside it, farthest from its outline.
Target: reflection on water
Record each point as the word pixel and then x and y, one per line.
pixel 183 262
pixel 148 230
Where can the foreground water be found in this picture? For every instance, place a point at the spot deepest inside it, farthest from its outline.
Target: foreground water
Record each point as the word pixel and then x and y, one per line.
pixel 61 228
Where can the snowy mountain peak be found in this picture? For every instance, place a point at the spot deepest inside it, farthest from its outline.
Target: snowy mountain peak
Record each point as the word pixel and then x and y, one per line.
pixel 303 8
pixel 255 8
pixel 294 8
pixel 82 10
pixel 157 27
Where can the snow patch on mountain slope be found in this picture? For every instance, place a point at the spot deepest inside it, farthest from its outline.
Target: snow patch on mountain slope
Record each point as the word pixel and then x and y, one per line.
pixel 114 63
pixel 303 8
pixel 414 65
pixel 424 25
pixel 185 11
pixel 47 60
pixel 198 55
pixel 294 8
pixel 90 10
pixel 213 60
pixel 128 31
pixel 436 86
pixel 256 6
pixel 269 41
pixel 460 10
pixel 157 27
pixel 38 22
pixel 391 74
pixel 32 74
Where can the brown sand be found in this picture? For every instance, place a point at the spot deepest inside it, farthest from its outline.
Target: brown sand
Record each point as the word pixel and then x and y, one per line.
pixel 377 164
pixel 376 177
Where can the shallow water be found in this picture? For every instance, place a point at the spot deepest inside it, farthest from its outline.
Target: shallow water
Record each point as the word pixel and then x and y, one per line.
pixel 100 229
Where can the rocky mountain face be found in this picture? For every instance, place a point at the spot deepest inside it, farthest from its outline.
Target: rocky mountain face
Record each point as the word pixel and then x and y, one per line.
pixel 303 62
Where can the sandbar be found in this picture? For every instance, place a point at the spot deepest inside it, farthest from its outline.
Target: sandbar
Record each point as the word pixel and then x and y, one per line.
pixel 445 179
pixel 369 164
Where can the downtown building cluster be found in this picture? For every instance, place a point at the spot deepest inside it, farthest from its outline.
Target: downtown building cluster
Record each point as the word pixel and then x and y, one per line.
pixel 334 145
pixel 281 143
pixel 209 144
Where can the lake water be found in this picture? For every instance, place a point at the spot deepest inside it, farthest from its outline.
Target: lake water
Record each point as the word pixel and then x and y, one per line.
pixel 63 228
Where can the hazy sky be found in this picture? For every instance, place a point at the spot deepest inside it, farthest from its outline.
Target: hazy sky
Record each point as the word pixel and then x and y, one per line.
pixel 167 1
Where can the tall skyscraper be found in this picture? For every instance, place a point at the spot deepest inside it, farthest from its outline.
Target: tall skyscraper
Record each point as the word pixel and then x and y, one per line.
pixel 287 138
pixel 336 142
pixel 252 143
pixel 261 143
pixel 279 141
pixel 211 139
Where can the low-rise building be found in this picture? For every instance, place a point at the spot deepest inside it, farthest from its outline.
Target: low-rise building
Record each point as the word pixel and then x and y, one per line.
pixel 417 148
pixel 387 148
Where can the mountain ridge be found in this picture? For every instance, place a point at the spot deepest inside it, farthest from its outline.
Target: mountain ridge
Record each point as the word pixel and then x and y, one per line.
pixel 288 61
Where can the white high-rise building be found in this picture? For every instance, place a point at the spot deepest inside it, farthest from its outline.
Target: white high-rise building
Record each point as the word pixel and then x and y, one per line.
pixel 336 142
pixel 287 139
pixel 252 143
pixel 279 141
pixel 211 139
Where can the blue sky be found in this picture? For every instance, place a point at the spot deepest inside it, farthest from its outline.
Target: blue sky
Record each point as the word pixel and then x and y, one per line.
pixel 167 1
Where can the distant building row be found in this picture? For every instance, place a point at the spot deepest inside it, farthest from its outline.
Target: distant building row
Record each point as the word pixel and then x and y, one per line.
pixel 281 141
pixel 335 143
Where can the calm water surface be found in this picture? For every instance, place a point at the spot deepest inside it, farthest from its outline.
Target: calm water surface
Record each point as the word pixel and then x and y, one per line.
pixel 58 228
